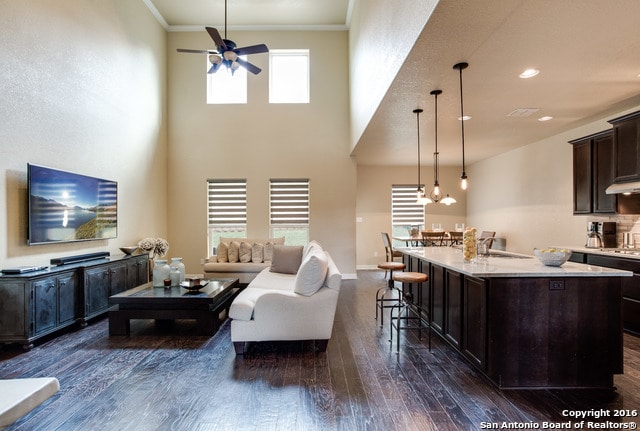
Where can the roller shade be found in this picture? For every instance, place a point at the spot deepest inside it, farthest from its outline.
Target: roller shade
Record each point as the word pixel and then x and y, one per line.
pixel 289 201
pixel 227 202
pixel 405 211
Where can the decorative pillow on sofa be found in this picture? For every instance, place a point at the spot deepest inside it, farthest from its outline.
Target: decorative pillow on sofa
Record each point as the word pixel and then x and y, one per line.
pixel 286 259
pixel 245 252
pixel 223 252
pixel 268 251
pixel 257 252
pixel 312 272
pixel 234 252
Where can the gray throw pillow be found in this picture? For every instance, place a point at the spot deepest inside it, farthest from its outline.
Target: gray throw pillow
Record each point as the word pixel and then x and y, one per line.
pixel 286 259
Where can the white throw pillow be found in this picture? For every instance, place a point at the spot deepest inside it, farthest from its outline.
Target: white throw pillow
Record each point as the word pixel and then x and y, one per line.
pixel 234 251
pixel 311 274
pixel 268 251
pixel 245 252
pixel 257 252
pixel 223 252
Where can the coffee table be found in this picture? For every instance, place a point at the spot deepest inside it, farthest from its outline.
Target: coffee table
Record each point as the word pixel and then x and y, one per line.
pixel 148 302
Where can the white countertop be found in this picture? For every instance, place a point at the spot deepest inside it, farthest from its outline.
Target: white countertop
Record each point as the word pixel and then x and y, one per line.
pixel 628 253
pixel 528 266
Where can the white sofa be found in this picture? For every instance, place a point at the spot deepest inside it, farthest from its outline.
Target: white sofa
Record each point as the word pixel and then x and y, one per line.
pixel 284 306
pixel 240 258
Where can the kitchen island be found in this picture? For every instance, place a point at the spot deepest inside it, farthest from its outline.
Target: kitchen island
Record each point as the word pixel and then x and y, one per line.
pixel 521 323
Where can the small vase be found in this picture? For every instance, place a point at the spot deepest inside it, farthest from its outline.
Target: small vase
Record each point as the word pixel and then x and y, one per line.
pixel 161 272
pixel 176 262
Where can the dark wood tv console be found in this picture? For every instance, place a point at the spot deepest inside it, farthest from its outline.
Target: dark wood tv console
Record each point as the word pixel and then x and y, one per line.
pixel 39 303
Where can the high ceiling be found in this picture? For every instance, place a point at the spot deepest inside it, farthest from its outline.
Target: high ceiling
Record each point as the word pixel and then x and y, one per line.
pixel 586 51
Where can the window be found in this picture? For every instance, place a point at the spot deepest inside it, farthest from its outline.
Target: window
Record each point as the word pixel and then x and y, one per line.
pixel 289 210
pixel 405 211
pixel 226 210
pixel 225 88
pixel 289 76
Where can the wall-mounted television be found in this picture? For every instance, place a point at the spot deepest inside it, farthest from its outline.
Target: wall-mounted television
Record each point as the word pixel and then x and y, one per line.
pixel 65 206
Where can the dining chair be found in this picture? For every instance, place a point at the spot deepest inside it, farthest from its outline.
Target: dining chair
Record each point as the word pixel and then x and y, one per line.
pixel 431 238
pixel 455 238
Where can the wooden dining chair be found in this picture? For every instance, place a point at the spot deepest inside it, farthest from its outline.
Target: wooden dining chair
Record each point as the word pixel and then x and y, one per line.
pixel 455 238
pixel 431 238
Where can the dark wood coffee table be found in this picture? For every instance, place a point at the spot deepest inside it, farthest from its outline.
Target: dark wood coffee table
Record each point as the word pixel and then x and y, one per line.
pixel 148 302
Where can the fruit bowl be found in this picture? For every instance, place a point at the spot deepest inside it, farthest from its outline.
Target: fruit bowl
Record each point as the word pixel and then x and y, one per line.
pixel 552 256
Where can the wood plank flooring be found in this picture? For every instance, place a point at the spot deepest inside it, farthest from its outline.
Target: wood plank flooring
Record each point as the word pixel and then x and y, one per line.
pixel 164 378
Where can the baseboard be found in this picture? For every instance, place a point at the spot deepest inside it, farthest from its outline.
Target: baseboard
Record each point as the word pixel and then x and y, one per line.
pixel 367 267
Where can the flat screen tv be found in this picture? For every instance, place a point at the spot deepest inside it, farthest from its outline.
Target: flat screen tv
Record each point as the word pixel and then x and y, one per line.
pixel 65 206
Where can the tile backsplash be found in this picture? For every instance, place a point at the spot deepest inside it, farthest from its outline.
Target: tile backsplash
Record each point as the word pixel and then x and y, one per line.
pixel 624 223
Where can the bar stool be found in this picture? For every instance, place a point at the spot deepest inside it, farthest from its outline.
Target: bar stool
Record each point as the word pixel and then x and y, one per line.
pixel 407 309
pixel 381 294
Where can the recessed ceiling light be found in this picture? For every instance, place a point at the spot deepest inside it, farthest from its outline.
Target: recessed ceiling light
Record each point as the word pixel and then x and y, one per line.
pixel 465 118
pixel 545 118
pixel 529 73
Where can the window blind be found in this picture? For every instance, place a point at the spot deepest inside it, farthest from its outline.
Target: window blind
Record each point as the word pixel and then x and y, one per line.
pixel 227 202
pixel 289 201
pixel 405 211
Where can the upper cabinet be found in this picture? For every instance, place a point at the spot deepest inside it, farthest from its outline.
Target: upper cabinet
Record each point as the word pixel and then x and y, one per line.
pixel 593 172
pixel 626 141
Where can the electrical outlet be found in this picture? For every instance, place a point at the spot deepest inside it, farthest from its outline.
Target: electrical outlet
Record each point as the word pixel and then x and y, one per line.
pixel 556 285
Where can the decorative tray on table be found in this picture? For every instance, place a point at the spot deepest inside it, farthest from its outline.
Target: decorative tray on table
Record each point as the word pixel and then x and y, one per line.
pixel 194 284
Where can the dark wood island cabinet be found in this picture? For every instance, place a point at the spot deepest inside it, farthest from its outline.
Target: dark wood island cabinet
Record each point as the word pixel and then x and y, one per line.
pixel 525 325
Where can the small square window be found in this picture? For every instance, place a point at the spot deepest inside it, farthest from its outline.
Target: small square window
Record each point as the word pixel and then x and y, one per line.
pixel 223 87
pixel 289 76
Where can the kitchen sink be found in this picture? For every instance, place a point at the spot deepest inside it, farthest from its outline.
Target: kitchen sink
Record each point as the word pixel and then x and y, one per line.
pixel 506 255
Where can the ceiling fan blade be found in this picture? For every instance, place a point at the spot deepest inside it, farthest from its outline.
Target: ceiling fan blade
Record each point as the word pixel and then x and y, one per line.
pixel 216 38
pixel 197 51
pixel 253 49
pixel 250 67
pixel 214 68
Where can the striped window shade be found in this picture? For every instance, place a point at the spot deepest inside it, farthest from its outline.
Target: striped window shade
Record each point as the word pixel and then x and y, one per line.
pixel 289 202
pixel 227 202
pixel 405 211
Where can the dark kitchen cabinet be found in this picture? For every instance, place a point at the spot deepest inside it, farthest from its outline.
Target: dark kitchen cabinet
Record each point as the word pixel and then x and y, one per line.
pixel 437 279
pixel 593 172
pixel 626 142
pixel 630 287
pixel 453 308
pixel 475 321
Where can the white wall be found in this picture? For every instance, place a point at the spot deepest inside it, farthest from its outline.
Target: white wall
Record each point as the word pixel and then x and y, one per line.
pixel 377 50
pixel 374 205
pixel 526 194
pixel 83 89
pixel 259 141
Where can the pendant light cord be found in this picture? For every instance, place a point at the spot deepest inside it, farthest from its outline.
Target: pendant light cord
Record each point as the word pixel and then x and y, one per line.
pixel 417 112
pixel 462 120
pixel 436 155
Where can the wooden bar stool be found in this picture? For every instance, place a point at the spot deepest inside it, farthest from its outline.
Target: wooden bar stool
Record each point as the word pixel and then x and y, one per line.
pixel 381 294
pixel 408 310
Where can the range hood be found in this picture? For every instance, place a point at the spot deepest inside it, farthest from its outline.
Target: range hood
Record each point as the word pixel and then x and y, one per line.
pixel 618 188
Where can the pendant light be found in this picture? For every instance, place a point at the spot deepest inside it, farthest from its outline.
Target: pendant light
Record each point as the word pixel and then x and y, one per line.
pixel 436 195
pixel 463 176
pixel 421 198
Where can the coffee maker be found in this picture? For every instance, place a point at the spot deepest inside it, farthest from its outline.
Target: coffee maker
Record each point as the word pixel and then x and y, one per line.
pixel 601 234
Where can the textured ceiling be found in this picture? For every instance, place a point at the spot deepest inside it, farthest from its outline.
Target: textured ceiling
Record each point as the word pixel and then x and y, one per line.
pixel 587 52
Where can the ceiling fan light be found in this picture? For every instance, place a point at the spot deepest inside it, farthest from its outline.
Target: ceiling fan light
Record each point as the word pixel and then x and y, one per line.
pixel 215 59
pixel 235 65
pixel 230 55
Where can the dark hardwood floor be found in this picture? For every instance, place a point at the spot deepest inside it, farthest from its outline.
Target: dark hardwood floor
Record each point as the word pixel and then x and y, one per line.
pixel 163 378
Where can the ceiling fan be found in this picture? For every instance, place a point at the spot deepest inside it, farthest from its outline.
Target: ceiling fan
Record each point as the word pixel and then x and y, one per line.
pixel 226 51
